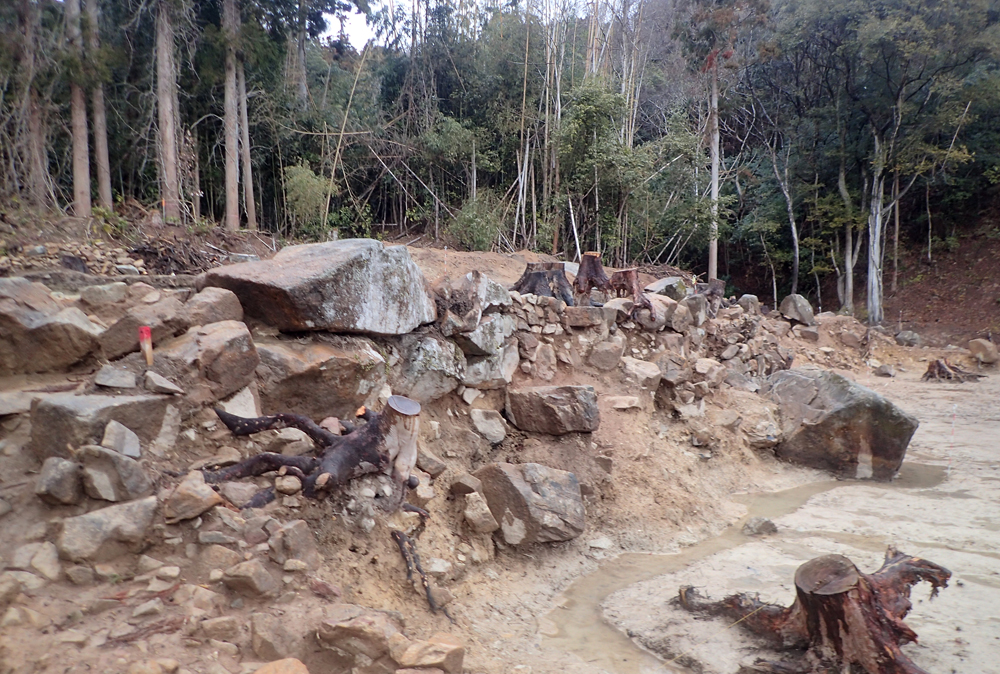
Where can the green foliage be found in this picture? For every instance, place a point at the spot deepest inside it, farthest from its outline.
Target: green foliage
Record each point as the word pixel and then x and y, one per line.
pixel 306 198
pixel 477 223
pixel 112 224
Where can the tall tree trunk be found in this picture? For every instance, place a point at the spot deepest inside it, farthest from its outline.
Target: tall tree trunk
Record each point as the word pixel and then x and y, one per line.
pixel 875 223
pixel 302 90
pixel 248 195
pixel 38 182
pixel 102 163
pixel 230 119
pixel 845 195
pixel 713 129
pixel 78 116
pixel 895 233
pixel 166 98
pixel 786 190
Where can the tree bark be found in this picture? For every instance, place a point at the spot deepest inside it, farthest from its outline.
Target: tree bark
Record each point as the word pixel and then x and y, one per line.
pixel 845 619
pixel 230 119
pixel 875 223
pixel 78 116
pixel 547 279
pixel 591 276
pixel 248 195
pixel 166 103
pixel 38 181
pixel 713 129
pixel 102 163
pixel 302 88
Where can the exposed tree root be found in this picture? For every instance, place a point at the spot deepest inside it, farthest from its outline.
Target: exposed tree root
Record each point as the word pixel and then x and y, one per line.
pixel 547 279
pixel 845 620
pixel 941 369
pixel 626 282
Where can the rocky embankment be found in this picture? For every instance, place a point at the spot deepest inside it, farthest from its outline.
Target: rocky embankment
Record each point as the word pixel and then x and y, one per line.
pixel 120 557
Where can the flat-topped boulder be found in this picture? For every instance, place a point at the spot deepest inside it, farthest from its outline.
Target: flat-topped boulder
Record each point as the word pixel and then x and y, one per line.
pixel 831 423
pixel 354 286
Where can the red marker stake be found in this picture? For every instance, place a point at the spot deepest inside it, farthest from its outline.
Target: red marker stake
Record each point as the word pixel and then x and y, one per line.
pixel 146 343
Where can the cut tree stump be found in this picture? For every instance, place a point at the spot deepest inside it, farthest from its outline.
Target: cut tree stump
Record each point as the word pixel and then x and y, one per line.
pixel 626 282
pixel 547 279
pixel 591 276
pixel 845 620
pixel 388 442
pixel 941 369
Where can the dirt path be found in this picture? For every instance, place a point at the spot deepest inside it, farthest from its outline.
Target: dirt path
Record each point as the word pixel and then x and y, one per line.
pixel 942 507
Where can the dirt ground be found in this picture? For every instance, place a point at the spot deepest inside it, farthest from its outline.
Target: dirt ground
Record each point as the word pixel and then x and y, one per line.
pixel 665 507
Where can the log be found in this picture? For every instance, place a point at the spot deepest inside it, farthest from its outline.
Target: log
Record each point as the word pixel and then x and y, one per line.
pixel 845 620
pixel 626 282
pixel 590 277
pixel 388 442
pixel 547 279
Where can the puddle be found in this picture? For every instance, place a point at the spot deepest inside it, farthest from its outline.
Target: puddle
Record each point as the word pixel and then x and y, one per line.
pixel 579 624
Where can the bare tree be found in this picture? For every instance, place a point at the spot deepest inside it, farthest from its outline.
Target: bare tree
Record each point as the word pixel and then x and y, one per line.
pixel 231 125
pixel 167 112
pixel 78 113
pixel 100 122
pixel 39 185
pixel 248 195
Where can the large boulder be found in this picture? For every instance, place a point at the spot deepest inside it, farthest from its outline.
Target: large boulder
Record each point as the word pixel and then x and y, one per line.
pixel 488 337
pixel 493 372
pixel 63 419
pixel 354 285
pixel 104 534
pixel 319 378
pixel 797 308
pixel 555 410
pixel 831 423
pixel 212 361
pixel 533 503
pixel 671 286
pixel 212 305
pixel 37 334
pixel 984 350
pixel 663 312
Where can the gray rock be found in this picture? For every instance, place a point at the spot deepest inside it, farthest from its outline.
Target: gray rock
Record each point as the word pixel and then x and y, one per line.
pixel 697 306
pixel 492 372
pixel 644 373
pixel 121 439
pixel 466 484
pixel 5 508
pixel 661 316
pixel 606 355
pixel 429 462
pixel 59 482
pixel 110 376
pixel 908 338
pixel 319 377
pixel 111 476
pixel 797 308
pixel 38 334
pixel 491 295
pixel 10 587
pixel 730 352
pixel 671 286
pixel 109 293
pixel 433 368
pixel 104 534
pixel 555 410
pixel 294 540
pixel 224 628
pixel 681 319
pixel 127 269
pixel 759 526
pixel 477 514
pixel 362 633
pixel 353 285
pixel 984 351
pixel 533 503
pixel 750 304
pixel 62 419
pixel 885 370
pixel 212 305
pixel 214 360
pixel 156 383
pixel 250 578
pixel 488 337
pixel 45 561
pixel 489 424
pixel 834 424
pixel 269 637
pixel 546 364
pixel 583 317
pixel 165 319
pixel 191 498
pixel 809 334
pixel 622 308
pixel 238 258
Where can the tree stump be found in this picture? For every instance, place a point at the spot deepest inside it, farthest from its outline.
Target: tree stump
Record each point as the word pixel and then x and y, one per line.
pixel 388 442
pixel 547 279
pixel 845 620
pixel 590 277
pixel 942 370
pixel 626 282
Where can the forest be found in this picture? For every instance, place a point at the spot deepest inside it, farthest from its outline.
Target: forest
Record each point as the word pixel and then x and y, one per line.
pixel 789 146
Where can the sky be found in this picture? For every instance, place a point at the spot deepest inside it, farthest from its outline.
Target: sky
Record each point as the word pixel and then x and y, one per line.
pixel 355 26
